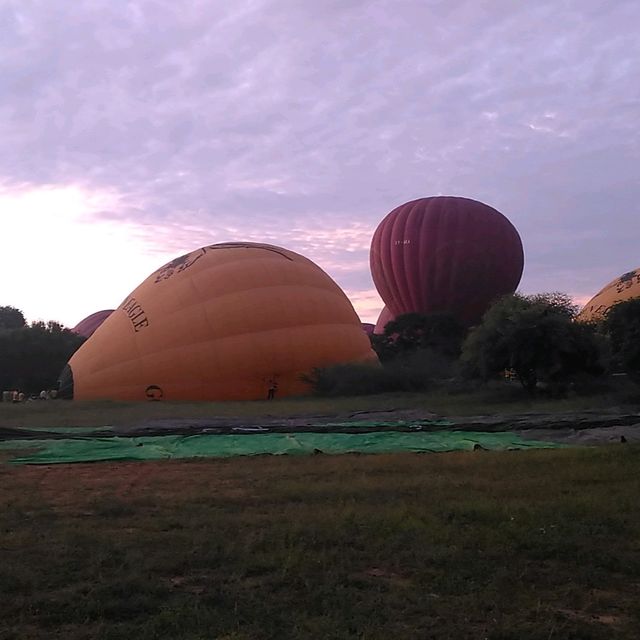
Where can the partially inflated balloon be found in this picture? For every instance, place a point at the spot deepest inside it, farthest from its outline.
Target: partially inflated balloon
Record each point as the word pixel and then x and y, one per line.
pixel 86 327
pixel 223 322
pixel 445 254
pixel 625 287
pixel 383 319
pixel 368 327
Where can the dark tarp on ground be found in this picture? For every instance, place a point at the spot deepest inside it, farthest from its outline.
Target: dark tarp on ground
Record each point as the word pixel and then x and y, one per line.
pixel 223 446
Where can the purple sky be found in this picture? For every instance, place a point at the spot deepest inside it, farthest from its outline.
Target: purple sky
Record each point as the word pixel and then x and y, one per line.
pixel 132 132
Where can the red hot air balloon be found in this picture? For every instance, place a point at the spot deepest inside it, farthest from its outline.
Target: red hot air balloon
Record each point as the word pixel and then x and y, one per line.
pixel 86 327
pixel 445 254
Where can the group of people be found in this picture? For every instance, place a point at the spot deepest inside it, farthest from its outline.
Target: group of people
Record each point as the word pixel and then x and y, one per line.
pixel 17 396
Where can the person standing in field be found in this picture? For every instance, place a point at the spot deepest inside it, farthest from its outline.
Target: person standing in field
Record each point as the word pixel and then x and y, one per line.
pixel 273 387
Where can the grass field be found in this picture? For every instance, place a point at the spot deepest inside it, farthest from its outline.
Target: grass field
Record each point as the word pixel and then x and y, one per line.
pixel 538 545
pixel 90 414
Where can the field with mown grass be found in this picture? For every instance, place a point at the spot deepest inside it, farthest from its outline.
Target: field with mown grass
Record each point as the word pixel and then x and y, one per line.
pixel 535 545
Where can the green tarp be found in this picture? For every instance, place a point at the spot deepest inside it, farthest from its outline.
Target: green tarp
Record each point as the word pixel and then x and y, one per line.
pixel 224 446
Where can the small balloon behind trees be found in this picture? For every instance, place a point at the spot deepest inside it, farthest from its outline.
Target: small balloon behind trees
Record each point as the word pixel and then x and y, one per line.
pixel 87 327
pixel 368 327
pixel 383 319
pixel 623 288
pixel 224 322
pixel 445 254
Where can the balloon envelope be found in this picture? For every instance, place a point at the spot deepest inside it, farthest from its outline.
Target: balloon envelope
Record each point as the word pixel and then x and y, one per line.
pixel 220 323
pixel 383 319
pixel 368 327
pixel 625 287
pixel 86 327
pixel 445 254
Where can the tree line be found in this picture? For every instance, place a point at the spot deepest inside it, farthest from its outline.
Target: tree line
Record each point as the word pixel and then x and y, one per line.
pixel 534 340
pixel 32 355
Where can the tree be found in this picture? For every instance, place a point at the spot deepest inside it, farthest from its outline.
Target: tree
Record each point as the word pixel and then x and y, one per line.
pixel 622 326
pixel 11 318
pixel 32 356
pixel 439 333
pixel 536 337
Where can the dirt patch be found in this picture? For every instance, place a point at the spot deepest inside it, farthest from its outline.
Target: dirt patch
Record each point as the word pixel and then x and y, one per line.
pixel 68 486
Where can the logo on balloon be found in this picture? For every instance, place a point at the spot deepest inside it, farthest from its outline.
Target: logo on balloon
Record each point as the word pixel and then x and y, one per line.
pixel 184 262
pixel 153 392
pixel 136 314
pixel 244 245
pixel 627 280
pixel 178 265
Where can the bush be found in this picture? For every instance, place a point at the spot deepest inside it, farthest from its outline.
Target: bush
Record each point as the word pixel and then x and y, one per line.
pixel 584 384
pixel 407 374
pixel 436 333
pixel 622 327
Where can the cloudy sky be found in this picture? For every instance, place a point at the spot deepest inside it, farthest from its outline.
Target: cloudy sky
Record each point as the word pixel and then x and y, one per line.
pixel 135 131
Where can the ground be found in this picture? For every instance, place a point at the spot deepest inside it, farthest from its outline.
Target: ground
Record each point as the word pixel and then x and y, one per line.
pixel 522 545
pixel 526 545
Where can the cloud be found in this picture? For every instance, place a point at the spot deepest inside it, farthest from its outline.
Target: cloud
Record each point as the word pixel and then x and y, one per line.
pixel 303 124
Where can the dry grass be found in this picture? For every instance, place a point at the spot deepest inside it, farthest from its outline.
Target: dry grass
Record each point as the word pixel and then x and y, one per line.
pixel 532 545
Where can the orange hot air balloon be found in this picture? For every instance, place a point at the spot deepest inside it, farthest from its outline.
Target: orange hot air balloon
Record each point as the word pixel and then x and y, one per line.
pixel 625 287
pixel 223 322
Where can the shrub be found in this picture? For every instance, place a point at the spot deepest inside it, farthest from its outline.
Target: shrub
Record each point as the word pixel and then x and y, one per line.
pixel 410 374
pixel 622 326
pixel 436 333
